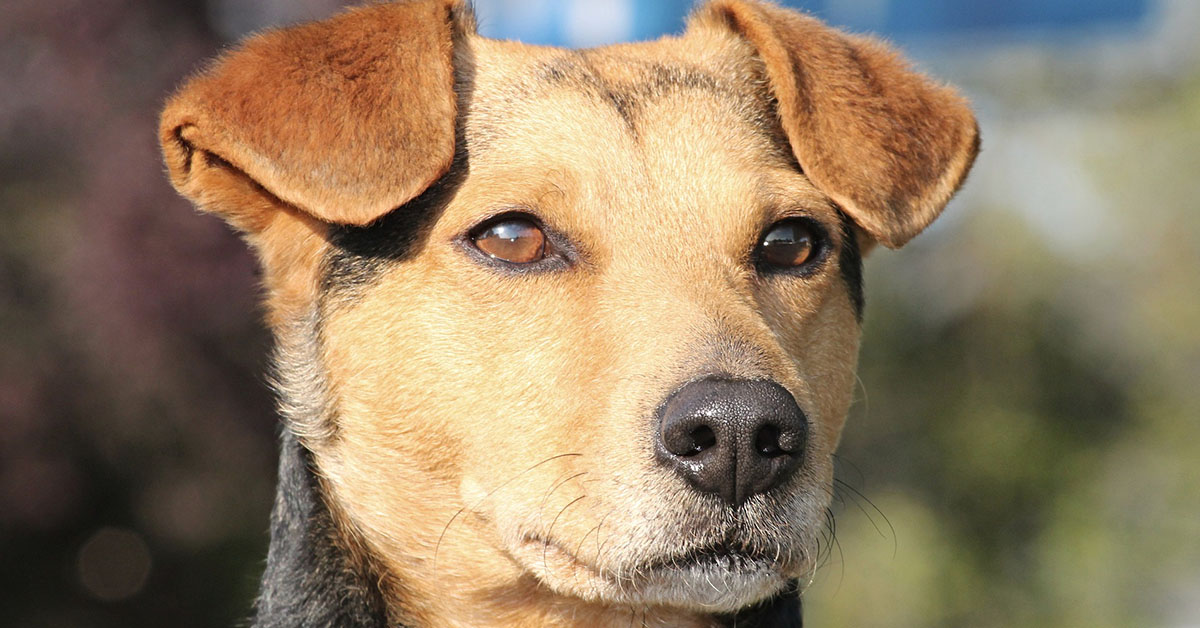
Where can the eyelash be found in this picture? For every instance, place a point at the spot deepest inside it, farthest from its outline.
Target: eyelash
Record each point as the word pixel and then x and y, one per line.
pixel 820 246
pixel 558 253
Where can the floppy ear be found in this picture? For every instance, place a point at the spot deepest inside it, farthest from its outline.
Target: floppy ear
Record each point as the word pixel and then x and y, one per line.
pixel 886 143
pixel 344 119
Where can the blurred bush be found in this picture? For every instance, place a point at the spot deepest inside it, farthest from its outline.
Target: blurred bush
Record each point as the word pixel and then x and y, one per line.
pixel 136 442
pixel 1029 426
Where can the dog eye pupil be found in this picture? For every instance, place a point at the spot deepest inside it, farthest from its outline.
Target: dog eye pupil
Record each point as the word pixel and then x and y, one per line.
pixel 516 240
pixel 789 243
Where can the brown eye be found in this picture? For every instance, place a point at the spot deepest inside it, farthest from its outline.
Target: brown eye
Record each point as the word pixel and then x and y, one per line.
pixel 788 244
pixel 514 240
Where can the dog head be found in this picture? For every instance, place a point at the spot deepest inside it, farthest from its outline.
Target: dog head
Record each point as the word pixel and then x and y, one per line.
pixel 570 326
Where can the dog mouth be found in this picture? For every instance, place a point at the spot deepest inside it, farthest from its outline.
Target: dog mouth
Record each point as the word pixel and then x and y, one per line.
pixel 724 556
pixel 720 574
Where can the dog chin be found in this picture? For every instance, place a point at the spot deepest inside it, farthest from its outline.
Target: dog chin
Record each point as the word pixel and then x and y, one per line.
pixel 716 582
pixel 723 584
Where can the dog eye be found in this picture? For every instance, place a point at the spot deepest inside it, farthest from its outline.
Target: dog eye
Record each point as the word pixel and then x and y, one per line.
pixel 514 240
pixel 789 244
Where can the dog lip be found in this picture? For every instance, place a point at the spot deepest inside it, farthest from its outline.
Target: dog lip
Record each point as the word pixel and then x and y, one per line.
pixel 539 544
pixel 684 578
pixel 724 555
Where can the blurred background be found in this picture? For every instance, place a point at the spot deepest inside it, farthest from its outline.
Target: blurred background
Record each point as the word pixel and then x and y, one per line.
pixel 1024 449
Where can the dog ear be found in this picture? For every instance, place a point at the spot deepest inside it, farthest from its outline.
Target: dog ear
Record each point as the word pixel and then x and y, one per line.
pixel 344 119
pixel 886 143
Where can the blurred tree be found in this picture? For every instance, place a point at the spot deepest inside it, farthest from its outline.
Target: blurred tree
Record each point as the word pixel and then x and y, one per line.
pixel 136 453
pixel 1030 433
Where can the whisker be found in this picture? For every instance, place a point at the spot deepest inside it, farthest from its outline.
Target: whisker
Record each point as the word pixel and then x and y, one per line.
pixel 596 529
pixel 859 498
pixel 550 530
pixel 832 519
pixel 848 464
pixel 866 399
pixel 479 503
pixel 555 487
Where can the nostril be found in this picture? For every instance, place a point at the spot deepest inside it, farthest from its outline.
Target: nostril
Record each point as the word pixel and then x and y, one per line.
pixel 733 438
pixel 792 441
pixel 685 439
pixel 702 437
pixel 766 442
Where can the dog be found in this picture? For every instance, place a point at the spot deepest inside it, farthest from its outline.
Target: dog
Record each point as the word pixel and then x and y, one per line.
pixel 563 337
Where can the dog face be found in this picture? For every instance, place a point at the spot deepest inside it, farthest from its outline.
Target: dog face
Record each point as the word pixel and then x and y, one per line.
pixel 569 331
pixel 536 390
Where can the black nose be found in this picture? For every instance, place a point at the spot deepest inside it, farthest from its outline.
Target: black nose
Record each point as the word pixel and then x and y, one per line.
pixel 735 438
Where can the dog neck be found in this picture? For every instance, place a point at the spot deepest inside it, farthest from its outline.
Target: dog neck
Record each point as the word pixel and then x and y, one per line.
pixel 312 579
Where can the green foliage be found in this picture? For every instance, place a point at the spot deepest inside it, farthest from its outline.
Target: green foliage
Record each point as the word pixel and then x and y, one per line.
pixel 1030 425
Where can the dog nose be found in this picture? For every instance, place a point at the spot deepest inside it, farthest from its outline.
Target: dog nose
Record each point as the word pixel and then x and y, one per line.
pixel 734 438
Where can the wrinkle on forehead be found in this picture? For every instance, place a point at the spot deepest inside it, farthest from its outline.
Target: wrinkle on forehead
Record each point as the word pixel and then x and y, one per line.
pixel 625 84
pixel 618 145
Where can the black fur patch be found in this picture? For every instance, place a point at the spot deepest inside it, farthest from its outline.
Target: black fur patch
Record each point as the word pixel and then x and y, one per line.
pixel 357 255
pixel 311 579
pixel 781 611
pixel 851 265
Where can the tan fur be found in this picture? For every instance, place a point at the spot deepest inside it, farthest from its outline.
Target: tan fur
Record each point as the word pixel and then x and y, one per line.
pixel 887 145
pixel 486 437
pixel 386 108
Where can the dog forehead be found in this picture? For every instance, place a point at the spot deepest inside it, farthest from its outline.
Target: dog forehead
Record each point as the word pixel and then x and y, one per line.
pixel 653 119
pixel 511 85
